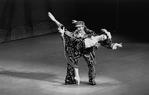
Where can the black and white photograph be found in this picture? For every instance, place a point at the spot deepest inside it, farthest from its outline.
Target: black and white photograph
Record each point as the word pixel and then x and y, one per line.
pixel 74 47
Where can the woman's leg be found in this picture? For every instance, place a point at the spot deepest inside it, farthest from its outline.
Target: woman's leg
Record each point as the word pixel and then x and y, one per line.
pixel 77 78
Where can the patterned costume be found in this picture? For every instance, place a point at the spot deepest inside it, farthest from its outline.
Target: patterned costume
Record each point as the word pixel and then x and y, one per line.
pixel 82 43
pixel 74 48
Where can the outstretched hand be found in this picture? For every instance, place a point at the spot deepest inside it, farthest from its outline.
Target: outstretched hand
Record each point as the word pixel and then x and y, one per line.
pixel 116 45
pixel 61 29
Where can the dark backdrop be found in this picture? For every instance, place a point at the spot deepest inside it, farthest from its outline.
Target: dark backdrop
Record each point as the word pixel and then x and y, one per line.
pixel 130 17
pixel 119 16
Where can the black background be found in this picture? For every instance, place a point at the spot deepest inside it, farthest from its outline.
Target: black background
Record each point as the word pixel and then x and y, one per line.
pixel 130 17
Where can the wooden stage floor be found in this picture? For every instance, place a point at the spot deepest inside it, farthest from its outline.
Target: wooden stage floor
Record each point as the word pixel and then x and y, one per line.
pixel 36 66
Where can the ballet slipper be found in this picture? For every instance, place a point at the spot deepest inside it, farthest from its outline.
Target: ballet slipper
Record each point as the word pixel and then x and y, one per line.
pixel 77 80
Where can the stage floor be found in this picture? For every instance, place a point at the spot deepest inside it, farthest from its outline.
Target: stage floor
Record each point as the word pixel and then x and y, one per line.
pixel 36 66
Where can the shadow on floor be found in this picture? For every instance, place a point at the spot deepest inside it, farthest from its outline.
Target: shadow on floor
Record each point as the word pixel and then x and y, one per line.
pixel 28 75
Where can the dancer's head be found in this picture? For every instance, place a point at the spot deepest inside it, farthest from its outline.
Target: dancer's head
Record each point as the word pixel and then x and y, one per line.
pixel 108 34
pixel 78 24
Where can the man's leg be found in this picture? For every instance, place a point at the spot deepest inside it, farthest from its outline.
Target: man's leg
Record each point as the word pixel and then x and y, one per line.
pixel 91 62
pixel 72 76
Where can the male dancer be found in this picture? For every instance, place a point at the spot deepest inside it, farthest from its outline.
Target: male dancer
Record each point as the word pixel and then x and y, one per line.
pixel 82 42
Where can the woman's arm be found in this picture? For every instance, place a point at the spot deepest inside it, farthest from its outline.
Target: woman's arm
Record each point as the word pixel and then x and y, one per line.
pixel 109 44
